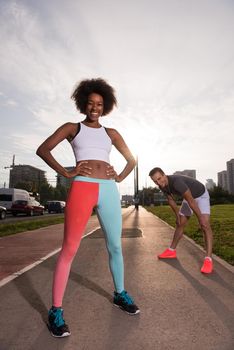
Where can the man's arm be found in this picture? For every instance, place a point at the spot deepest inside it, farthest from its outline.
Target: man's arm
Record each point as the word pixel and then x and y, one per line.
pixel 193 205
pixel 174 207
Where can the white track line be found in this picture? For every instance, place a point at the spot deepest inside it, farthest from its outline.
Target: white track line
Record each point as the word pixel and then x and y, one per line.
pixel 31 266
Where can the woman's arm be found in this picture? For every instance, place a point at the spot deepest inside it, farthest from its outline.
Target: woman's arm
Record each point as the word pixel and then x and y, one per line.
pixel 44 151
pixel 120 145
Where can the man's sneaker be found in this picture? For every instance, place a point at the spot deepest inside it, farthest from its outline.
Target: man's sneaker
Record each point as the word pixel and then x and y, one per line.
pixel 56 324
pixel 168 254
pixel 207 266
pixel 125 302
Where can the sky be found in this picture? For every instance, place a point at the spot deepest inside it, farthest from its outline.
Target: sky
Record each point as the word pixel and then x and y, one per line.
pixel 171 63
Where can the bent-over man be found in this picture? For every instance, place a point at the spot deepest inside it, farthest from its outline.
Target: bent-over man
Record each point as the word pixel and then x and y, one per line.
pixel 195 199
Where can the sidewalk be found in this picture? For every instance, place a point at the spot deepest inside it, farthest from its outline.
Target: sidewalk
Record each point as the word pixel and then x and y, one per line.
pixel 180 308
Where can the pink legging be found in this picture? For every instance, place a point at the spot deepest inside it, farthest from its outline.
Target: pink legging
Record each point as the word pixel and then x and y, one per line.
pixel 84 195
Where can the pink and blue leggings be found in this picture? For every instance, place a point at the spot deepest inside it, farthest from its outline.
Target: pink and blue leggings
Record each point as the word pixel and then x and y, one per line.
pixel 85 194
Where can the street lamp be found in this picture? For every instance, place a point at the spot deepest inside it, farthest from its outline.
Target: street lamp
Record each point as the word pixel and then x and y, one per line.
pixel 136 185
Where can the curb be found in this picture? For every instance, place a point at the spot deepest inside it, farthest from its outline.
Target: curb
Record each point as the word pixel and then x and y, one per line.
pixel 215 257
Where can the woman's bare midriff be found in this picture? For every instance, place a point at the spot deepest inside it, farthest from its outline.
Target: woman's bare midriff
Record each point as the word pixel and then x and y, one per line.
pixel 98 169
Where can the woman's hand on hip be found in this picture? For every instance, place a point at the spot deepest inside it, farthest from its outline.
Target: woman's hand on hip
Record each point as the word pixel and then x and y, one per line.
pixel 110 171
pixel 80 169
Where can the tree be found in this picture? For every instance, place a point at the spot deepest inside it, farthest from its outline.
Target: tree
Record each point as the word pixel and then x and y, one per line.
pixel 46 193
pixel 146 195
pixel 60 193
pixel 219 196
pixel 24 185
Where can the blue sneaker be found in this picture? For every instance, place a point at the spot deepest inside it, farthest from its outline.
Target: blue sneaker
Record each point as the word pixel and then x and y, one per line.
pixel 125 302
pixel 56 324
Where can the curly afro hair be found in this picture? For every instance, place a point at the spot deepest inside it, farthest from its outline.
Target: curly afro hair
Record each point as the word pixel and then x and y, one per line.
pixel 98 86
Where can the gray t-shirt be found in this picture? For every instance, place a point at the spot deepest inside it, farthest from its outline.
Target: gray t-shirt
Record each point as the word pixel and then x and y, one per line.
pixel 179 184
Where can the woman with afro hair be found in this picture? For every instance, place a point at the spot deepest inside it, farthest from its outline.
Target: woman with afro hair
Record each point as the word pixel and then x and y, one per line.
pixel 94 185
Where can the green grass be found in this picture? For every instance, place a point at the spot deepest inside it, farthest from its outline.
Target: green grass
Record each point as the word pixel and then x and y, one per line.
pixel 21 226
pixel 222 223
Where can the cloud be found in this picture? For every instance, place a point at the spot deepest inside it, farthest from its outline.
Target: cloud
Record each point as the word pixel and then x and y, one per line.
pixel 171 64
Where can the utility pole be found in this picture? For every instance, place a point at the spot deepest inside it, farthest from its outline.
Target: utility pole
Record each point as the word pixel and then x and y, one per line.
pixel 11 166
pixel 136 185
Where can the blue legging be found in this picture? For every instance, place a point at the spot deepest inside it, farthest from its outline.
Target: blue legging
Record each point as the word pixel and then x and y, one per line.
pixel 85 194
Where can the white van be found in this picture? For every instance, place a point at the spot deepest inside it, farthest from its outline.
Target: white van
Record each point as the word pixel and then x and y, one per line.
pixel 10 195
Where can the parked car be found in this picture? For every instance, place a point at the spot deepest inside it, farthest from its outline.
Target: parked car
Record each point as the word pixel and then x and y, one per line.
pixel 9 195
pixel 29 208
pixel 2 213
pixel 55 206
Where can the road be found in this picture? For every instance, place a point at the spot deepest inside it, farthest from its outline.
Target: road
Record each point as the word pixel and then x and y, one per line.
pixel 181 309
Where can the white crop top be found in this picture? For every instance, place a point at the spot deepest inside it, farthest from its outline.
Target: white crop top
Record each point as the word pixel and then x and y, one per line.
pixel 91 143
